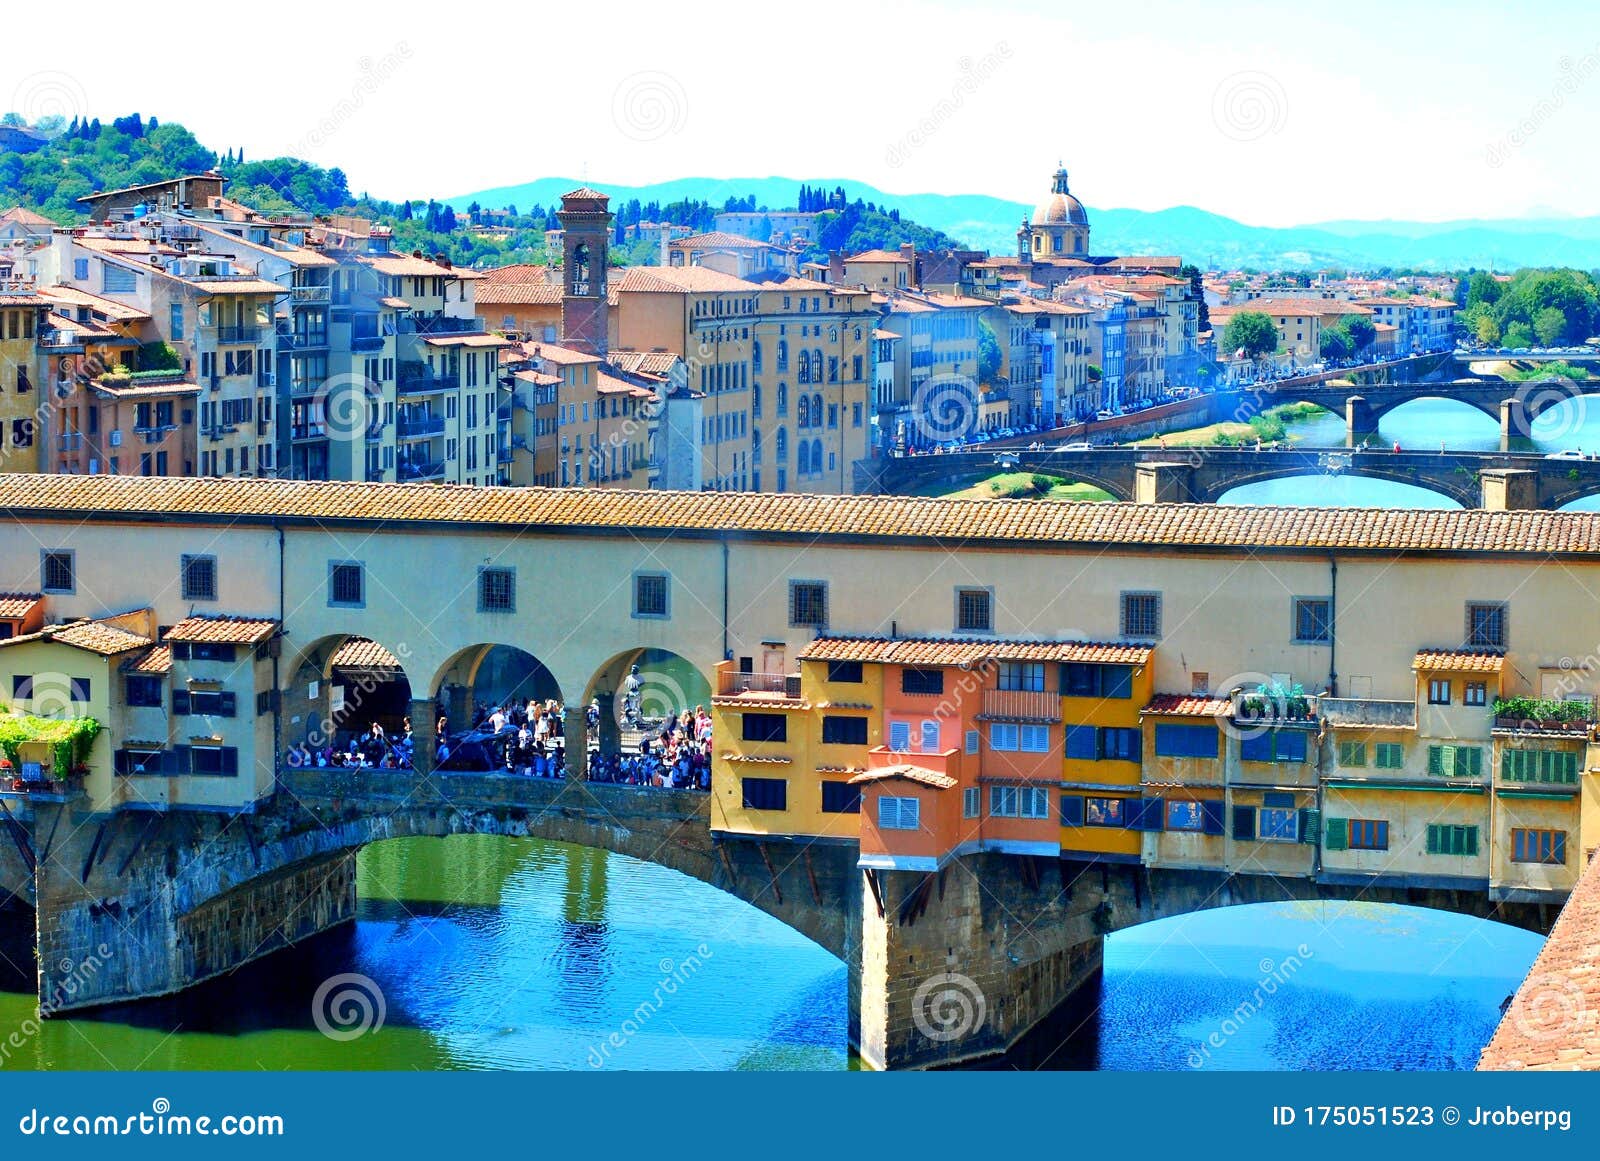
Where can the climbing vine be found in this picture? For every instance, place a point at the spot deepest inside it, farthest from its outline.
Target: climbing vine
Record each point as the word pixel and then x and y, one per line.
pixel 69 739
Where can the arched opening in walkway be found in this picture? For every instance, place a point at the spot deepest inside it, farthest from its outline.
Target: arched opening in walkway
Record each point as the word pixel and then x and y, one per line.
pixel 1294 985
pixel 339 688
pixel 668 685
pixel 480 678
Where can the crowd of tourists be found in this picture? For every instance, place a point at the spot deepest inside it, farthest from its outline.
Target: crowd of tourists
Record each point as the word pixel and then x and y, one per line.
pixel 373 750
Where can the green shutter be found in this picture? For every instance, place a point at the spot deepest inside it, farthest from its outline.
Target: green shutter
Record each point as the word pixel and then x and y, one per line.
pixel 1472 840
pixel 1310 827
pixel 1435 759
pixel 1474 763
pixel 1338 834
pixel 1433 838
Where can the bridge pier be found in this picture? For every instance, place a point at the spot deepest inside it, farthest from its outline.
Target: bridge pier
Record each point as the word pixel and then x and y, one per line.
pixel 1509 489
pixel 130 908
pixel 424 734
pixel 1163 483
pixel 575 739
pixel 1515 422
pixel 1358 421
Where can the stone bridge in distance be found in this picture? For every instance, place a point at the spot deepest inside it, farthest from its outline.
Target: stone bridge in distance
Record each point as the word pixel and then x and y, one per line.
pixel 1205 474
pixel 943 967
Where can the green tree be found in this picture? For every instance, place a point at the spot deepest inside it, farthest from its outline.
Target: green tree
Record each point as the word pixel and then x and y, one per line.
pixel 1518 334
pixel 1336 343
pixel 1483 287
pixel 1549 325
pixel 1362 332
pixel 1486 330
pixel 1252 332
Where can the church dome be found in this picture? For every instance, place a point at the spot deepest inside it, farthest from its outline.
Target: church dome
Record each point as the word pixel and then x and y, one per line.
pixel 1060 208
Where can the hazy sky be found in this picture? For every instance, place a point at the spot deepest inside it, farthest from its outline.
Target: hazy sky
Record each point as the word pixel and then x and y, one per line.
pixel 1272 113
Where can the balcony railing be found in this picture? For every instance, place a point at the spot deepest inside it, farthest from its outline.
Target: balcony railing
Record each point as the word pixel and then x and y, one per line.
pixel 71 441
pixel 415 380
pixel 302 340
pixel 734 684
pixel 439 324
pixel 1022 704
pixel 305 294
pixel 238 334
pixel 421 471
pixel 504 453
pixel 59 339
pixel 420 428
pixel 366 342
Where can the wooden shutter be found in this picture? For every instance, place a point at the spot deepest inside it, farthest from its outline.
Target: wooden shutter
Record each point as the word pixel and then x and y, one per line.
pixel 180 701
pixel 1244 823
pixel 1338 834
pixel 1211 818
pixel 1071 810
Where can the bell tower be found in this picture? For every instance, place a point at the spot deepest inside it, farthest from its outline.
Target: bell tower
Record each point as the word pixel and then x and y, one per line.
pixel 585 218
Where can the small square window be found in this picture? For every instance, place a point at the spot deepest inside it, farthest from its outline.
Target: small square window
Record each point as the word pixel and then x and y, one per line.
pixel 1141 614
pixel 808 604
pixel 650 595
pixel 199 578
pixel 346 584
pixel 58 571
pixel 1475 693
pixel 1313 620
pixel 497 590
pixel 1438 691
pixel 974 611
pixel 1486 624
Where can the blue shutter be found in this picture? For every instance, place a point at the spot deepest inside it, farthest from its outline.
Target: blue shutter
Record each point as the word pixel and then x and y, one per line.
pixel 1081 742
pixel 1145 814
pixel 1117 681
pixel 1292 746
pixel 227 704
pixel 1071 810
pixel 1211 822
pixel 1256 747
pixel 180 701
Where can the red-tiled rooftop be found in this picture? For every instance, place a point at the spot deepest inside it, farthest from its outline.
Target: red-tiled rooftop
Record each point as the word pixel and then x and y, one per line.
pixel 919 774
pixel 92 636
pixel 1553 1021
pixel 360 653
pixel 1182 705
pixel 1458 661
pixel 968 652
pixel 14 606
pixel 157 660
pixel 222 630
pixel 810 518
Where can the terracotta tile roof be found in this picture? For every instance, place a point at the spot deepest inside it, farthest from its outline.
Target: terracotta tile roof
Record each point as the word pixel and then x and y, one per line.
pixel 878 256
pixel 119 311
pixel 26 217
pixel 466 340
pixel 360 653
pixel 758 759
pixel 937 521
pixel 642 362
pixel 93 636
pixel 967 652
pixel 553 353
pixel 1179 705
pixel 1553 1021
pixel 679 280
pixel 522 283
pixel 222 630
pixel 584 193
pixel 14 606
pixel 716 239
pixel 409 265
pixel 1458 661
pixel 918 774
pixel 151 661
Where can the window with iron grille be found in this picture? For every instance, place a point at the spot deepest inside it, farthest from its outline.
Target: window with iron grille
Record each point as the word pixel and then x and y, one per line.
pixel 199 577
pixel 1486 624
pixel 1313 620
pixel 497 590
pixel 346 585
pixel 808 604
pixel 1141 614
pixel 58 572
pixel 974 611
pixel 650 594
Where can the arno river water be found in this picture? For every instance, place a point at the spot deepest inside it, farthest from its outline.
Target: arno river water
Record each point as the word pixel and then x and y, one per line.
pixel 521 954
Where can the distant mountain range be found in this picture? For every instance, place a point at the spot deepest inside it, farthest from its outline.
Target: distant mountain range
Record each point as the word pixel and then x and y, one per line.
pixel 1202 237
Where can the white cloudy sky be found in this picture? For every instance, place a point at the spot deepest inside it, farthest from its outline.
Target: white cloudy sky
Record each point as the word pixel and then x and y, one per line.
pixel 1272 113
